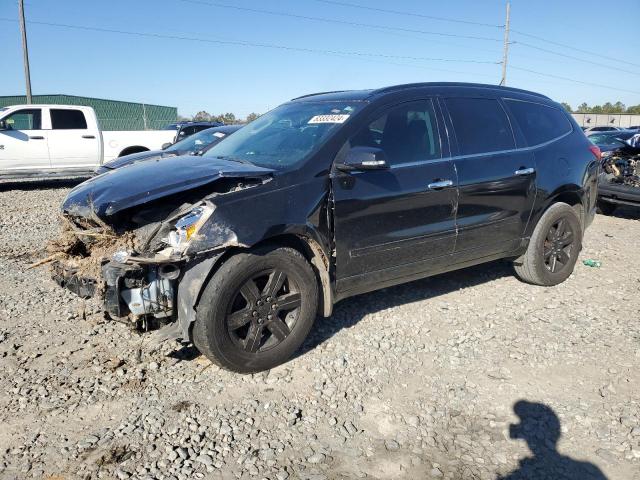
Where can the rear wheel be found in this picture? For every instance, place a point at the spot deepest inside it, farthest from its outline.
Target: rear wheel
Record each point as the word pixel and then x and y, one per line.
pixel 257 310
pixel 606 208
pixel 553 249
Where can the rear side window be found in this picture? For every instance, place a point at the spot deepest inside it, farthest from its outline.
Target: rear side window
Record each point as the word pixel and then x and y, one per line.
pixel 539 123
pixel 62 119
pixel 481 125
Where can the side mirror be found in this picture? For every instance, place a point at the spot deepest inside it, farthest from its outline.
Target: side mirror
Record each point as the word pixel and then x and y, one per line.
pixel 364 158
pixel 3 125
pixel 166 145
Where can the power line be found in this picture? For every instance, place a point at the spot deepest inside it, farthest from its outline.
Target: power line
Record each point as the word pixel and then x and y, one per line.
pixel 408 14
pixel 337 21
pixel 574 81
pixel 528 45
pixel 252 44
pixel 608 57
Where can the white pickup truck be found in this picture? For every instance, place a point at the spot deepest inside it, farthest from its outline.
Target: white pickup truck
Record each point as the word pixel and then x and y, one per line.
pixel 64 140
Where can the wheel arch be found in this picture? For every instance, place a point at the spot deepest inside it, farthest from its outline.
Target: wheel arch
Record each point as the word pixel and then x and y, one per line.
pixel 133 149
pixel 308 246
pixel 571 195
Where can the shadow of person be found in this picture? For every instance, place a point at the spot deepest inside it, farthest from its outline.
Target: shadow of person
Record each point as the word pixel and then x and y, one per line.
pixel 540 427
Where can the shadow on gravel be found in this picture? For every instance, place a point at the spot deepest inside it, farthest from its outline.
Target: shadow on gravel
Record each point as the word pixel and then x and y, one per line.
pixel 540 427
pixel 350 311
pixel 37 184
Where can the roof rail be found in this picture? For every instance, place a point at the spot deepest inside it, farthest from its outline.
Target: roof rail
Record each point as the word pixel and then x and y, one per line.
pixel 318 93
pixel 453 84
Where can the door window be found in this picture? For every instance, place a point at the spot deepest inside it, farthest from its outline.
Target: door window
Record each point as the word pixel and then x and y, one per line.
pixel 25 119
pixel 481 125
pixel 539 123
pixel 63 119
pixel 406 133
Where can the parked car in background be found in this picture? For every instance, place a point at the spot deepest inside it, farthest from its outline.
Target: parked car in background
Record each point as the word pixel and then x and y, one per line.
pixel 611 141
pixel 328 196
pixel 193 145
pixel 186 129
pixel 602 128
pixel 44 140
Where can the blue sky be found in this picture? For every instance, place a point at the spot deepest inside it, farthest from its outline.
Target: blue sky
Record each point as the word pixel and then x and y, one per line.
pixel 197 75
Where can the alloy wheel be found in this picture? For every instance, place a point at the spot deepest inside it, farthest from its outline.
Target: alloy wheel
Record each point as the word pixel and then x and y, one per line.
pixel 558 245
pixel 263 311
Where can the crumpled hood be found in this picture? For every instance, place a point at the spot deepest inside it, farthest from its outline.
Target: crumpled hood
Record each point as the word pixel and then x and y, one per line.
pixel 137 157
pixel 142 182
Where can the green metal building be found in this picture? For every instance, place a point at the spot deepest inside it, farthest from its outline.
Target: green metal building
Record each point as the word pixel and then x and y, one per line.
pixel 112 114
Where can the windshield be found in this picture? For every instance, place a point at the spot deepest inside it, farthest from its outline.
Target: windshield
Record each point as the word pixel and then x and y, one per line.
pixel 197 142
pixel 286 135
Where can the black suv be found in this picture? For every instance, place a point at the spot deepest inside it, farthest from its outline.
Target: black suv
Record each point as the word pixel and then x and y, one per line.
pixel 328 196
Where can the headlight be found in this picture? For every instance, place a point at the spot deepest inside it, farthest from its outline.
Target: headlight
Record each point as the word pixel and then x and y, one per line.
pixel 188 226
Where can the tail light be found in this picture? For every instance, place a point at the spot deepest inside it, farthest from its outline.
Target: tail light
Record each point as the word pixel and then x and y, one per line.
pixel 596 151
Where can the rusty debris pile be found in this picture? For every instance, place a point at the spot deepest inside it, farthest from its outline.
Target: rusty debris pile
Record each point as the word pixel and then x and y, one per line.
pixel 623 168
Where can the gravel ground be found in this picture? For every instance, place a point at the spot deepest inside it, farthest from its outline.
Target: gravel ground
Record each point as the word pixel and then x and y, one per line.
pixel 417 381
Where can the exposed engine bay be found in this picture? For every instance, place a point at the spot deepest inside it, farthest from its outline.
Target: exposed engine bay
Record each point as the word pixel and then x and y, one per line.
pixel 623 168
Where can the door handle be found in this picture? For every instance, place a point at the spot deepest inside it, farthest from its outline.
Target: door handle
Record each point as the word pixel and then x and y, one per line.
pixel 89 136
pixel 36 137
pixel 439 185
pixel 525 171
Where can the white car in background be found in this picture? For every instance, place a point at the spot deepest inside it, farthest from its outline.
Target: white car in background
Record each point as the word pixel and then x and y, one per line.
pixel 43 140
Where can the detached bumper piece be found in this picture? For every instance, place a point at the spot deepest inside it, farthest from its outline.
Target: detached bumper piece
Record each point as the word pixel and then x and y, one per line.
pixel 68 278
pixel 138 291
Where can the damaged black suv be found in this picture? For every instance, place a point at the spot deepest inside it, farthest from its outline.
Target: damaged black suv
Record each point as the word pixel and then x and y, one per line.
pixel 328 196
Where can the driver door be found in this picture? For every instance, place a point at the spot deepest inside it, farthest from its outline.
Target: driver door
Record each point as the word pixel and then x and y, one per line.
pixel 398 221
pixel 24 144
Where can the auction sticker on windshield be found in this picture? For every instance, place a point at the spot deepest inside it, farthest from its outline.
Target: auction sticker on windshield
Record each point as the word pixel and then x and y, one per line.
pixel 329 119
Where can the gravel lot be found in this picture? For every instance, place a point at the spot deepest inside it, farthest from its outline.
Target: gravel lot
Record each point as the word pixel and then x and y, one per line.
pixel 415 381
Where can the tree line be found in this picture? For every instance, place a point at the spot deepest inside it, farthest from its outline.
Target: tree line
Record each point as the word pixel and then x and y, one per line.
pixel 608 107
pixel 226 118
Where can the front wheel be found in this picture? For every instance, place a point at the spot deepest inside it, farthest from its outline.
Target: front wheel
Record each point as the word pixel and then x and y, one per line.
pixel 553 248
pixel 256 310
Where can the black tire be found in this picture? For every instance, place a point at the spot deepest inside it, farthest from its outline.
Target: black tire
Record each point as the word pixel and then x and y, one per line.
pixel 241 324
pixel 553 249
pixel 606 208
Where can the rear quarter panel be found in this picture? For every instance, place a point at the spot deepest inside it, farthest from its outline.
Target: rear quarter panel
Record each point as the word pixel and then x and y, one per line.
pixel 566 169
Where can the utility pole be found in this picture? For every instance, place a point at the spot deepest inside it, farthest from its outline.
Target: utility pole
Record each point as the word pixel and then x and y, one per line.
pixel 505 54
pixel 25 49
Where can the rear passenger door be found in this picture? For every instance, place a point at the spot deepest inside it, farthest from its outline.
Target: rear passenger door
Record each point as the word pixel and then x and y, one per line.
pixel 397 221
pixel 496 178
pixel 72 141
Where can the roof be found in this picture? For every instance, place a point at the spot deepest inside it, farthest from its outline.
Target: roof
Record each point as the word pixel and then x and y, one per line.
pixel 368 94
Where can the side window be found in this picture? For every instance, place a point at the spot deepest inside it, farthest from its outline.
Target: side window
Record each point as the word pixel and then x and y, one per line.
pixel 406 133
pixel 63 119
pixel 25 119
pixel 539 123
pixel 481 125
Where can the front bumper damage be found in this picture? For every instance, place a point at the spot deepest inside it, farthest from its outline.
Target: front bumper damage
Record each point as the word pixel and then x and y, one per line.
pixel 146 294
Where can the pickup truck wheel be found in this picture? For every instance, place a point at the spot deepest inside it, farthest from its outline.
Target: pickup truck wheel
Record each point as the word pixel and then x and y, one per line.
pixel 553 249
pixel 606 208
pixel 256 310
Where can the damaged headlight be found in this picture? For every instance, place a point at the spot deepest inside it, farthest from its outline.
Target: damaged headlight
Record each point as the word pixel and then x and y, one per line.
pixel 188 226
